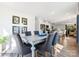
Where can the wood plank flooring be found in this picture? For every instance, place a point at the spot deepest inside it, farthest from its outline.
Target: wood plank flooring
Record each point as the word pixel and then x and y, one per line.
pixel 70 47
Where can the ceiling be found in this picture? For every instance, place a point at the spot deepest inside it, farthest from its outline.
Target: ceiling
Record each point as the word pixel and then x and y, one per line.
pixel 50 11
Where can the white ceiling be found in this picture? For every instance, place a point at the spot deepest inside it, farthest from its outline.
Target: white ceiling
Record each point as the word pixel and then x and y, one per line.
pixel 51 11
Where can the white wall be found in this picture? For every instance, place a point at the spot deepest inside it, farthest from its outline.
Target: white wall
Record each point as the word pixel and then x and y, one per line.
pixel 6 14
pixel 43 21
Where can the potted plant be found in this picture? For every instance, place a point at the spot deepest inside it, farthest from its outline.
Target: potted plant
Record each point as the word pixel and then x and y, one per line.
pixel 3 40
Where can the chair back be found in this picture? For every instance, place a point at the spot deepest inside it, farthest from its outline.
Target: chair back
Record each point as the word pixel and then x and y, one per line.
pixel 28 33
pixel 36 32
pixel 50 39
pixel 55 39
pixel 19 43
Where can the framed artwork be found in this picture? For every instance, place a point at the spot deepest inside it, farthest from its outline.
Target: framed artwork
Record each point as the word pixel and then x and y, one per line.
pixel 47 26
pixel 23 30
pixel 15 20
pixel 15 29
pixel 24 21
pixel 42 27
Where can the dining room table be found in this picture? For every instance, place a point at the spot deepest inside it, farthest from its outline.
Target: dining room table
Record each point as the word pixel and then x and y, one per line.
pixel 33 40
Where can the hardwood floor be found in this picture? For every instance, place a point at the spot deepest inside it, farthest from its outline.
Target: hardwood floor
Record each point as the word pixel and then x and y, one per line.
pixel 70 47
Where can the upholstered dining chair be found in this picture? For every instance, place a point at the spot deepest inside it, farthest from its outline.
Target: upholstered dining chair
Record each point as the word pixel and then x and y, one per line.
pixel 46 48
pixel 23 49
pixel 54 42
pixel 36 32
pixel 28 33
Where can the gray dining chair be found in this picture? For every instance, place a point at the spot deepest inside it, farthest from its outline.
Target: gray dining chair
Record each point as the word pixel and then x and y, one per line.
pixel 36 32
pixel 28 33
pixel 46 48
pixel 22 48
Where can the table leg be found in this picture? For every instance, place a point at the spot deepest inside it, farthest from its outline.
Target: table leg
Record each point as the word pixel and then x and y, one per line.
pixel 33 50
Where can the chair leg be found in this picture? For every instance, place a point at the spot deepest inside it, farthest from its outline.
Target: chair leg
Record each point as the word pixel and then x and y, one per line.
pixel 36 53
pixel 46 53
pixel 20 55
pixel 55 51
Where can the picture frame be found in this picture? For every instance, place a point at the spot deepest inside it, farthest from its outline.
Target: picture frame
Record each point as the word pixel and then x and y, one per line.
pixel 23 30
pixel 24 21
pixel 15 29
pixel 47 26
pixel 15 19
pixel 42 27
